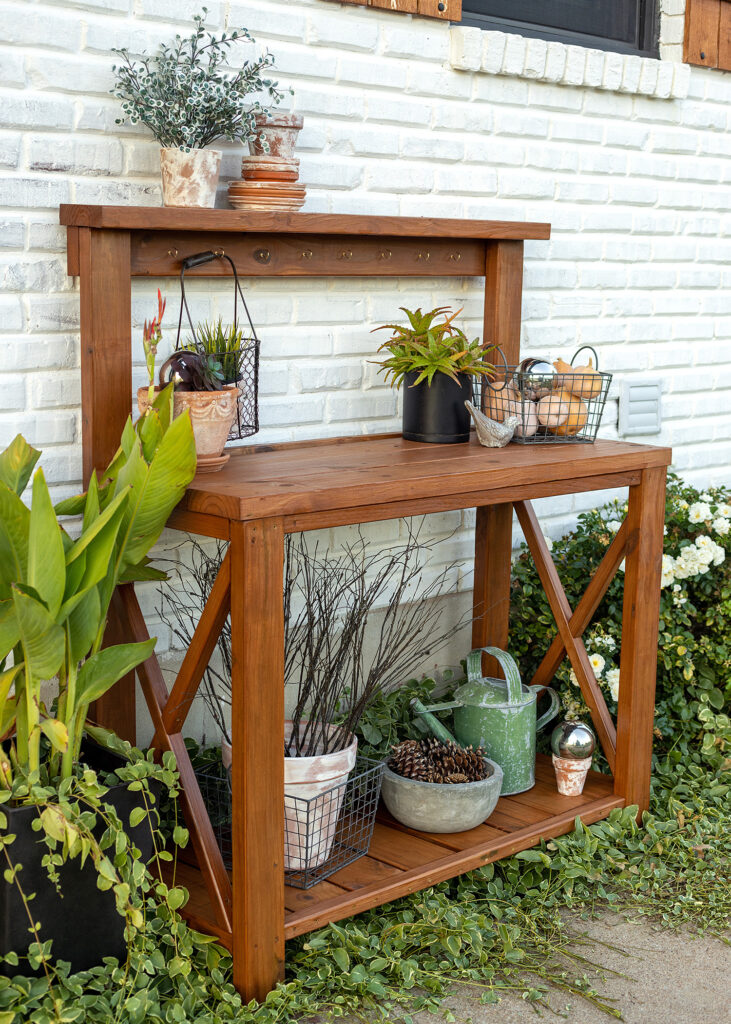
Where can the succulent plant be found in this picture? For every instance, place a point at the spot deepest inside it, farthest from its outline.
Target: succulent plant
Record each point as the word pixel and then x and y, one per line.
pixel 429 346
pixel 192 371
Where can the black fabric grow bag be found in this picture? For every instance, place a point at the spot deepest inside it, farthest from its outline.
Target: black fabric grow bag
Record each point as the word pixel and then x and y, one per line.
pixel 82 921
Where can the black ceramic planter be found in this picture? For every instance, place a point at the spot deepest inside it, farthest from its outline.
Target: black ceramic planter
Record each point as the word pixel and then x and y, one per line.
pixel 436 412
pixel 82 921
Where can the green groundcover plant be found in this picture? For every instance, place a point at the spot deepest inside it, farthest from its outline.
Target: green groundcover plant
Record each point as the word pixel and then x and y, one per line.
pixel 499 928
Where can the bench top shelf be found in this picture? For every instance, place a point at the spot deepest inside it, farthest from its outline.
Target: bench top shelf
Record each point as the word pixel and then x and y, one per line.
pixel 161 218
pixel 338 478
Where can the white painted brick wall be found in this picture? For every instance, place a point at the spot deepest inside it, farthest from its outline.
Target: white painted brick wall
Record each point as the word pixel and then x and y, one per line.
pixel 628 158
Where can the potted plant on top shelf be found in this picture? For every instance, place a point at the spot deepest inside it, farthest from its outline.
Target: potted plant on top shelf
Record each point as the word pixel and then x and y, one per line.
pixel 436 362
pixel 188 101
pixel 56 589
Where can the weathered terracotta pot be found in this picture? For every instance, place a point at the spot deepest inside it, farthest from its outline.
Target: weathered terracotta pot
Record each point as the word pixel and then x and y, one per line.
pixel 189 179
pixel 313 795
pixel 280 131
pixel 211 413
pixel 571 774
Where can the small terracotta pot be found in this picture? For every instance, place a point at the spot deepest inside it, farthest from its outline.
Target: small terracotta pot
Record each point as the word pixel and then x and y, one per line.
pixel 280 131
pixel 211 413
pixel 571 774
pixel 189 179
pixel 313 795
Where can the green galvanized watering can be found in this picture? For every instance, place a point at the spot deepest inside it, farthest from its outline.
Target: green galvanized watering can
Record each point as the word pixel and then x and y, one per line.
pixel 498 715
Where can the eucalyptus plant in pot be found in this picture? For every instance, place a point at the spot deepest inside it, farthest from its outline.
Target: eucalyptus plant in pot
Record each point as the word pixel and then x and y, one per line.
pixel 56 587
pixel 187 99
pixel 436 362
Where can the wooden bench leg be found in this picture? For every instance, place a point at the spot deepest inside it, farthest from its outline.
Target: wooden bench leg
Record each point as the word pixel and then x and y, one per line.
pixel 257 721
pixel 640 617
pixel 491 598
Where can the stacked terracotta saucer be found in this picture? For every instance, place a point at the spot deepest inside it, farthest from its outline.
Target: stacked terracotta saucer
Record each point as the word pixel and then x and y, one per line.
pixel 270 178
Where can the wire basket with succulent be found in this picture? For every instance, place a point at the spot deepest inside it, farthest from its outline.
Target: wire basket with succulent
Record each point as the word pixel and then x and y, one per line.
pixel 437 363
pixel 186 97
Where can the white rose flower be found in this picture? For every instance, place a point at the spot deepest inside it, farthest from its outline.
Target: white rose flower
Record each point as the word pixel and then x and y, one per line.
pixel 613 525
pixel 719 555
pixel 608 642
pixel 706 549
pixel 668 571
pixel 597 663
pixel 572 678
pixel 721 526
pixel 705 497
pixel 613 682
pixel 699 512
pixel 723 510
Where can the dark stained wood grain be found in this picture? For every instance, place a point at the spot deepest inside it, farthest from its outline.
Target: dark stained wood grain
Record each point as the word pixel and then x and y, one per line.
pixel 161 218
pixel 562 613
pixel 491 594
pixel 106 353
pixel 158 254
pixel 257 776
pixel 323 478
pixel 638 661
pixel 432 858
pixel 202 646
pixel 588 604
pixel 503 300
pixel 702 24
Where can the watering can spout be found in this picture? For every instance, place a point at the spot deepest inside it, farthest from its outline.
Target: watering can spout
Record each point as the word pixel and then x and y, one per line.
pixel 436 727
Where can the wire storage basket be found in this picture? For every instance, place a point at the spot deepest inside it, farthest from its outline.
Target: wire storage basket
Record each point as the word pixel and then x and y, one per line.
pixel 239 364
pixel 321 834
pixel 551 404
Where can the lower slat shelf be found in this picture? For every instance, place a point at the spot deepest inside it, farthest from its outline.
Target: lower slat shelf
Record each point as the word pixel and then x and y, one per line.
pixel 401 861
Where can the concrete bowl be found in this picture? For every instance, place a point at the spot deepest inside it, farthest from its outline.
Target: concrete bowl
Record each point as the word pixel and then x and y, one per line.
pixel 442 807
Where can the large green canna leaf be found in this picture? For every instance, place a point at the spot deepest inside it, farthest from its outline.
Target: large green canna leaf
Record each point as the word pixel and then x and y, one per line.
pixel 7 678
pixel 46 559
pixel 150 433
pixel 89 539
pixel 143 572
pixel 9 628
pixel 14 529
pixel 104 668
pixel 82 625
pixel 56 732
pixel 42 640
pixel 91 505
pixel 156 489
pixel 16 464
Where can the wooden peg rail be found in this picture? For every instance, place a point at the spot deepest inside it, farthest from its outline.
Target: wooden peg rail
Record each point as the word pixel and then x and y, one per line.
pixel 267 491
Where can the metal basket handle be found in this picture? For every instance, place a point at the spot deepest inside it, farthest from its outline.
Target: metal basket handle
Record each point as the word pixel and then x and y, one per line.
pixel 489 383
pixel 592 350
pixel 199 259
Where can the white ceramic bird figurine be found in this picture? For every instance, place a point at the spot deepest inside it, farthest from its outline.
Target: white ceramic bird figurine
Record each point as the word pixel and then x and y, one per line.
pixel 490 433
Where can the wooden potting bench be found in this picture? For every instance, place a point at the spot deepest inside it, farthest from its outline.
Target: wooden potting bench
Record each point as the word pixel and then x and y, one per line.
pixel 267 491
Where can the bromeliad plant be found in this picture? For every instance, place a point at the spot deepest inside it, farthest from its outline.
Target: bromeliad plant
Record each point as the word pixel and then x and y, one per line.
pixel 428 345
pixel 151 338
pixel 55 591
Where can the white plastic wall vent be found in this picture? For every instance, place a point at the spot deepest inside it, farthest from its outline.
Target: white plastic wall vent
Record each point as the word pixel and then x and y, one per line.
pixel 639 407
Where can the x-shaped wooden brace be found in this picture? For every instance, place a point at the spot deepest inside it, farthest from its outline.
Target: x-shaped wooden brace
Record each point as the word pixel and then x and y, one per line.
pixel 571 625
pixel 169 712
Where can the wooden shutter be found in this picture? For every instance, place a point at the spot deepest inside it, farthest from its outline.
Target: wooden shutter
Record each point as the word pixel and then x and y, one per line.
pixel 708 34
pixel 446 10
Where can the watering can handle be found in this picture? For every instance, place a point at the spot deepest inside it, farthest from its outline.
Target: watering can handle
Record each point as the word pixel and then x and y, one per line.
pixel 552 710
pixel 435 726
pixel 506 662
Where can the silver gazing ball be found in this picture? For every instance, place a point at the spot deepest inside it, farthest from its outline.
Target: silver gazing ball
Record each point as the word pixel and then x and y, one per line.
pixel 573 740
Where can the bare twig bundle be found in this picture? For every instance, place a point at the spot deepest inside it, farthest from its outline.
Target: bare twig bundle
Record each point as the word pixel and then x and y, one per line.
pixel 328 599
pixel 430 760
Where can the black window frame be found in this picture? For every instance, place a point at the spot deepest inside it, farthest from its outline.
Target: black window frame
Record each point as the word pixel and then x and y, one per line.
pixel 638 21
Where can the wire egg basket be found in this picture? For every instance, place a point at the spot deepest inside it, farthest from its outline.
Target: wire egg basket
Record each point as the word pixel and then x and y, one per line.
pixel 551 406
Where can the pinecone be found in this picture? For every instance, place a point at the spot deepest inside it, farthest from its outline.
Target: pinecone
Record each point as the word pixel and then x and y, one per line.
pixel 430 760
